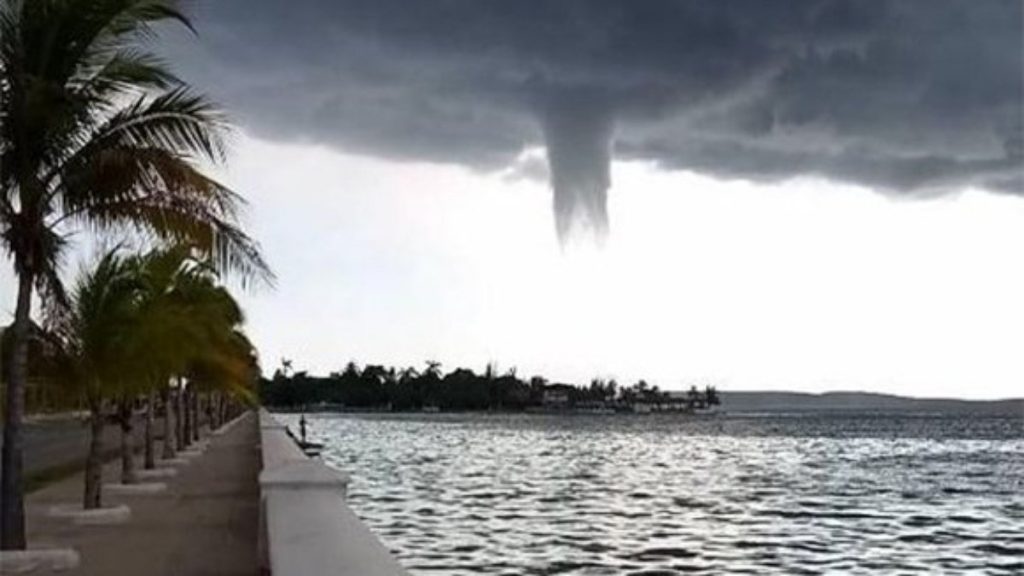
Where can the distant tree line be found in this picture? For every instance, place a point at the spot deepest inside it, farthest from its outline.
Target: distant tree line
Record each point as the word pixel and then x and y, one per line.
pixel 377 387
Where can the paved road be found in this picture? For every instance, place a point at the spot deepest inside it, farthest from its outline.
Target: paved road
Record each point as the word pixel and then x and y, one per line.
pixel 64 442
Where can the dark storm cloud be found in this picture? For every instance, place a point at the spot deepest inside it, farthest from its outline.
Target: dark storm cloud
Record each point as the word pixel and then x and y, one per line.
pixel 909 96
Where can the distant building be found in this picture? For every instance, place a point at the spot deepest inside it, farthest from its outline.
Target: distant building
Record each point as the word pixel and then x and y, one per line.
pixel 675 401
pixel 557 395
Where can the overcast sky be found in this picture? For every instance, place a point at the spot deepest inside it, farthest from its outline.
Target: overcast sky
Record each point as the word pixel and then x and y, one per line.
pixel 806 195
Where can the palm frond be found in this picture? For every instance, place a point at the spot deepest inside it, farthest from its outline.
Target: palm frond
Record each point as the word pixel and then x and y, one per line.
pixel 178 122
pixel 156 192
pixel 176 220
pixel 84 34
pixel 97 132
pixel 92 333
pixel 126 70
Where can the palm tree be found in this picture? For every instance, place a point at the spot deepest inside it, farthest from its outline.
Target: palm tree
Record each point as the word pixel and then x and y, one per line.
pixel 96 133
pixel 228 367
pixel 126 330
pixel 433 369
pixel 641 389
pixel 611 390
pixel 711 396
pixel 89 337
pixel 188 326
pixel 224 359
pixel 407 375
pixel 693 398
pixel 165 339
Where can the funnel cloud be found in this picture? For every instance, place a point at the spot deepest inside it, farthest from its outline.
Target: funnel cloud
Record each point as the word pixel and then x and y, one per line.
pixel 914 98
pixel 577 133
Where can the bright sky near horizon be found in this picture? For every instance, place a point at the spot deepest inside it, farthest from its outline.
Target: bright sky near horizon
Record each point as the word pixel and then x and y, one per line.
pixel 803 285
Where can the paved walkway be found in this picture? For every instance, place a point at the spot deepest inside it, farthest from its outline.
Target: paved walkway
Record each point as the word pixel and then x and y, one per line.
pixel 205 523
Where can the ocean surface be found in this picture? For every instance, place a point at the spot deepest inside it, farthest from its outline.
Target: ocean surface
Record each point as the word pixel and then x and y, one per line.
pixel 660 494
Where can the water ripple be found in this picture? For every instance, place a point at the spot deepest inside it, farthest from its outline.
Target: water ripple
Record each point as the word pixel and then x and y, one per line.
pixel 527 494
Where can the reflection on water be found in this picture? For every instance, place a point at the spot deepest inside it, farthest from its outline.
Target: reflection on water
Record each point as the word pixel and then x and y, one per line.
pixel 528 494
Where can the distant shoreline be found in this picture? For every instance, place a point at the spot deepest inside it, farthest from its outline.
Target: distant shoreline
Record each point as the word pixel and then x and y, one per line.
pixel 864 401
pixel 739 403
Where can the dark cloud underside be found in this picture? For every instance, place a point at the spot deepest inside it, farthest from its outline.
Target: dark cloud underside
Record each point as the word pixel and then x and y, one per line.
pixel 906 96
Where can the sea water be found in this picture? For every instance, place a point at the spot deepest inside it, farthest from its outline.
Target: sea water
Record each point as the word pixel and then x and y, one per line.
pixel 677 494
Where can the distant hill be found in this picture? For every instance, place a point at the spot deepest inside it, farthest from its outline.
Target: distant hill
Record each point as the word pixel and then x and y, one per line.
pixel 862 401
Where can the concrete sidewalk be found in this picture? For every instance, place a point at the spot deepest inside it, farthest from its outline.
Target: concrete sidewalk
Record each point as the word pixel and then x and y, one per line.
pixel 206 522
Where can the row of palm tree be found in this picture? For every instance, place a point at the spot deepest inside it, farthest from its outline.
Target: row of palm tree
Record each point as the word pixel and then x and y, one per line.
pixel 135 325
pixel 97 134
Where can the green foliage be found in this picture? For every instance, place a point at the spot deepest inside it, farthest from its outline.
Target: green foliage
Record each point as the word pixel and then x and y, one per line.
pixel 134 322
pixel 96 132
pixel 90 336
pixel 378 388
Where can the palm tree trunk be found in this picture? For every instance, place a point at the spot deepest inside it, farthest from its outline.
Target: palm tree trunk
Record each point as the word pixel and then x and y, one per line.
pixel 212 413
pixel 180 417
pixel 127 443
pixel 150 461
pixel 94 460
pixel 169 431
pixel 208 410
pixel 12 499
pixel 220 410
pixel 195 416
pixel 184 405
pixel 222 405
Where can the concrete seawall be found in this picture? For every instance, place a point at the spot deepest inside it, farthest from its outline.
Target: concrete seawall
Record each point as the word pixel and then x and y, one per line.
pixel 306 526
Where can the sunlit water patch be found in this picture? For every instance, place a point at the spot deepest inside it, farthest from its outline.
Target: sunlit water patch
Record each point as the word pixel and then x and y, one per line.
pixel 797 494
